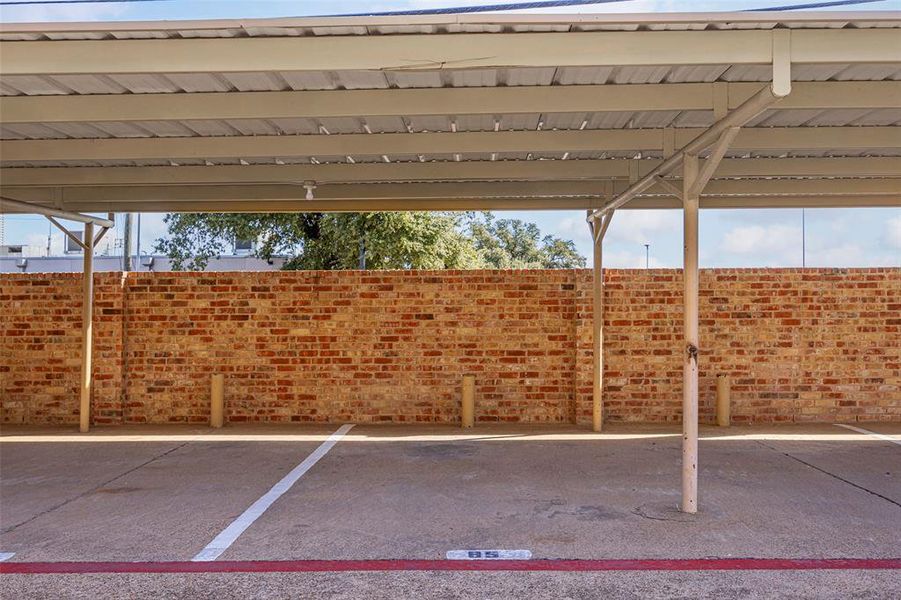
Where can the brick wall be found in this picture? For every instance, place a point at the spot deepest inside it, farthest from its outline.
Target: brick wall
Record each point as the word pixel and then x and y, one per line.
pixel 800 345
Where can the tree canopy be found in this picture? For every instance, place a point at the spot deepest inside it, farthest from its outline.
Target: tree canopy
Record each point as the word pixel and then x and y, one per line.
pixel 384 240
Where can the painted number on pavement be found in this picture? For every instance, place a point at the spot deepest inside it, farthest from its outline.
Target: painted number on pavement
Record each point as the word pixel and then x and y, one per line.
pixel 489 555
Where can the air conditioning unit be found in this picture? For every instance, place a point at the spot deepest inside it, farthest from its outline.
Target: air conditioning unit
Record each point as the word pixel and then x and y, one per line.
pixel 11 250
pixel 71 246
pixel 244 247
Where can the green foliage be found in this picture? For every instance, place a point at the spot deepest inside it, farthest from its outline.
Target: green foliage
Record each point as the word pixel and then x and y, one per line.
pixel 514 244
pixel 389 240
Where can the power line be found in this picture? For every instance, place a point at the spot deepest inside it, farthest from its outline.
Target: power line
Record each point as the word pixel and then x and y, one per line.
pixel 31 2
pixel 481 8
pixel 462 9
pixel 812 5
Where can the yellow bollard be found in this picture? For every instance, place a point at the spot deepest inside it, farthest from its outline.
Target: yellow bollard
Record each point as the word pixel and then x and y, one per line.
pixel 217 400
pixel 469 394
pixel 723 401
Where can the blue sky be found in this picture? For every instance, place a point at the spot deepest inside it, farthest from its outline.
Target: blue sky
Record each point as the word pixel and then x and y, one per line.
pixel 729 238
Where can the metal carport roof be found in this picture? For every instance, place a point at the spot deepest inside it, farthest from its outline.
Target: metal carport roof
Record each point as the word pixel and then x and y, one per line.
pixel 523 111
pixel 596 112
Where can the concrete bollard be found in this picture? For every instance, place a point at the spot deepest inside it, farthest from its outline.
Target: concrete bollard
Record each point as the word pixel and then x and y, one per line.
pixel 723 401
pixel 217 400
pixel 469 403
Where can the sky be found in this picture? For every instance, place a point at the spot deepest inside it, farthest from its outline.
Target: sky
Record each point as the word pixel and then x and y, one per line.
pixel 728 238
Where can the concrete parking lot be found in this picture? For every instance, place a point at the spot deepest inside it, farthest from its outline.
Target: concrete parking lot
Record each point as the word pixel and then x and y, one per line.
pixel 790 511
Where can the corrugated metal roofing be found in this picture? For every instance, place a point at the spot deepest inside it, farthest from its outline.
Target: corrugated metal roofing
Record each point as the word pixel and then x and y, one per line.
pixel 13 85
pixel 443 123
pixel 113 83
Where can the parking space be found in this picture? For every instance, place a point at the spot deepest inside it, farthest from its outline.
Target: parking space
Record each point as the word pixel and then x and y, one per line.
pixel 157 495
pixel 415 493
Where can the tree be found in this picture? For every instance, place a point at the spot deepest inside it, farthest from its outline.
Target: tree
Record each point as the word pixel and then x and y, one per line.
pixel 514 244
pixel 384 240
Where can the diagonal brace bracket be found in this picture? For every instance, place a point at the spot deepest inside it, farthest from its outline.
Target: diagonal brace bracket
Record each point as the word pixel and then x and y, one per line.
pixel 68 233
pixel 74 238
pixel 669 187
pixel 598 224
pixel 713 161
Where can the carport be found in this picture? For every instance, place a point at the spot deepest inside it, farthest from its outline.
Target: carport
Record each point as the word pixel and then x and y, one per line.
pixel 455 112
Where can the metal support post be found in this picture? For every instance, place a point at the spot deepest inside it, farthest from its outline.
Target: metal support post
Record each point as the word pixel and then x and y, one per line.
pixel 87 330
pixel 691 342
pixel 598 226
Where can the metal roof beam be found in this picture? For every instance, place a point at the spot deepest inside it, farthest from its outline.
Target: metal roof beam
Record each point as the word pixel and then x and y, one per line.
pixel 437 171
pixel 606 140
pixel 141 196
pixel 441 51
pixel 256 205
pixel 10 205
pixel 437 101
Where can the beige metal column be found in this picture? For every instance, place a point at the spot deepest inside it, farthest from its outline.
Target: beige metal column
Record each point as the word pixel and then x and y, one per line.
pixel 690 350
pixel 87 329
pixel 597 351
pixel 598 225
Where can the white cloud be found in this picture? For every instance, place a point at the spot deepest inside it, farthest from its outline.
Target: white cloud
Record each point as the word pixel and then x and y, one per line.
pixel 636 230
pixel 573 227
pixel 893 232
pixel 848 255
pixel 764 240
pixel 642 226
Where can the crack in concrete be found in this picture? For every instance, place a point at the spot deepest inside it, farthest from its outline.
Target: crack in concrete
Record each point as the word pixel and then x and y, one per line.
pixel 93 489
pixel 830 474
pixel 644 516
pixel 662 513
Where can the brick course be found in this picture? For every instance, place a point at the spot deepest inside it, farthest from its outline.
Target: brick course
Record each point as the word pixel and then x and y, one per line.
pixel 800 344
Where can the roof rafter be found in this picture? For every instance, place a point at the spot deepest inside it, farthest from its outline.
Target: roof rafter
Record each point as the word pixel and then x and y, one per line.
pixel 770 138
pixel 442 51
pixel 141 195
pixel 526 170
pixel 434 101
pixel 252 204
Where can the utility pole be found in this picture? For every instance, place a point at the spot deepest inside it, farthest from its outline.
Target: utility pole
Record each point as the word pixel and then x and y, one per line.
pixel 647 256
pixel 138 249
pixel 803 239
pixel 126 243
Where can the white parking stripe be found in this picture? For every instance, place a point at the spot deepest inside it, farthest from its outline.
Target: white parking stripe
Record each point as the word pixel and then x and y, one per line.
pixel 225 539
pixel 868 432
pixel 6 555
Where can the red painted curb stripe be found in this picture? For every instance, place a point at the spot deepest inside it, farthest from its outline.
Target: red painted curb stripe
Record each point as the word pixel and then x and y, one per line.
pixel 294 566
